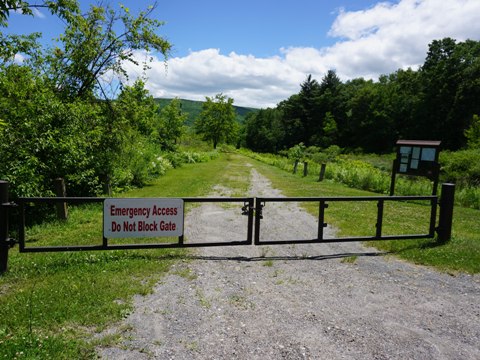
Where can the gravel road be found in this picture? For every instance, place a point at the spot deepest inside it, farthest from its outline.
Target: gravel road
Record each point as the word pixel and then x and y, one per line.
pixel 304 301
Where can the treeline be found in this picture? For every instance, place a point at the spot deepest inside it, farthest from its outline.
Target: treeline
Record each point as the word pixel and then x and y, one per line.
pixel 438 101
pixel 56 119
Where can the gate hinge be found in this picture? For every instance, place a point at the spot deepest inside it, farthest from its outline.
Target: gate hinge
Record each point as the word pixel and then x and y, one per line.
pixel 10 204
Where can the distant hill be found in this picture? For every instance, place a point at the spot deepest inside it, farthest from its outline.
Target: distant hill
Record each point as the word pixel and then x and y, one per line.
pixel 193 108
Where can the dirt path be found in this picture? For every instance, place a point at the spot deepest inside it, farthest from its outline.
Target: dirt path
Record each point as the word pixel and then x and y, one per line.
pixel 298 301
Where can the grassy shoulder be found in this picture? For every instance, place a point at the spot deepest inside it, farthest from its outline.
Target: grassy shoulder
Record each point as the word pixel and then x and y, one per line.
pixel 51 304
pixel 461 254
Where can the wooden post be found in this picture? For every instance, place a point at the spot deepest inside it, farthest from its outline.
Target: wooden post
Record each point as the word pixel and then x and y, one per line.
pixel 305 168
pixel 322 172
pixel 295 167
pixel 60 191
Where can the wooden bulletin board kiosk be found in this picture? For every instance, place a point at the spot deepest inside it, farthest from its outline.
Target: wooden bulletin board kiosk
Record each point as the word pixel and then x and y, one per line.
pixel 417 158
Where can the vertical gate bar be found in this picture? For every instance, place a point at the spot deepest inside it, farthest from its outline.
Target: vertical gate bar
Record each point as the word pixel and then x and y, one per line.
pixel 181 238
pixel 433 216
pixel 4 246
pixel 104 239
pixel 379 219
pixel 250 221
pixel 258 213
pixel 321 219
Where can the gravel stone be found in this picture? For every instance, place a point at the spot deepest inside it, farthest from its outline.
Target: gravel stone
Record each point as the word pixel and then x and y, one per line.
pixel 297 301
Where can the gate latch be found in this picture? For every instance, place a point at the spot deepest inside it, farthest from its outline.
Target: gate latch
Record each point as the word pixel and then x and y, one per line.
pixel 246 208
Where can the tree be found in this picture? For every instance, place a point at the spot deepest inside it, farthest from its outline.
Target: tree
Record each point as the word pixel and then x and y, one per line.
pixel 53 122
pixel 292 124
pixel 451 79
pixel 136 108
pixel 171 125
pixel 329 130
pixel 473 133
pixel 91 48
pixel 62 8
pixel 217 120
pixel 309 96
pixel 264 130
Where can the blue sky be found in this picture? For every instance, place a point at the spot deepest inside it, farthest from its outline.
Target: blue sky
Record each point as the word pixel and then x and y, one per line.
pixel 258 52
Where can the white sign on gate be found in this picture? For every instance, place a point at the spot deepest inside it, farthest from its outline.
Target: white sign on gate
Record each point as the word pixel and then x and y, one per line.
pixel 124 218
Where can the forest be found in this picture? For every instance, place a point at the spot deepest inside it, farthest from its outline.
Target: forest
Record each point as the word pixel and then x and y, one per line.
pixel 58 118
pixel 439 101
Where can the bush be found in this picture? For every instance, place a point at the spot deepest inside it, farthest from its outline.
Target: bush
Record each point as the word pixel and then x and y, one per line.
pixel 461 167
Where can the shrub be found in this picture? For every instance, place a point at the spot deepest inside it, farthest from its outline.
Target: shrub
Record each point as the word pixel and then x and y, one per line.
pixel 461 167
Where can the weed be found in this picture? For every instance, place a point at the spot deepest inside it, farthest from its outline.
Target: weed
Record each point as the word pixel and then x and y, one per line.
pixel 268 263
pixel 350 259
pixel 203 299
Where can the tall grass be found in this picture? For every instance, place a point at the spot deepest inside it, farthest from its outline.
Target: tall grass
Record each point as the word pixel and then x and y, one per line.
pixel 362 175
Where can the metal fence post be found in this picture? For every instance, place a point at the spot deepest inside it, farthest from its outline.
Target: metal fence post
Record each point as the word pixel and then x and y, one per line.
pixel 4 246
pixel 445 220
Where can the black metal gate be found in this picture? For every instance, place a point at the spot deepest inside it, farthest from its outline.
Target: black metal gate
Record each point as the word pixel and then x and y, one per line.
pixel 247 209
pixel 250 207
pixel 323 203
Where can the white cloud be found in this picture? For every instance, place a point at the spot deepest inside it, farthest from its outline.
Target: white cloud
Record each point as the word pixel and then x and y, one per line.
pixel 374 41
pixel 18 59
pixel 38 13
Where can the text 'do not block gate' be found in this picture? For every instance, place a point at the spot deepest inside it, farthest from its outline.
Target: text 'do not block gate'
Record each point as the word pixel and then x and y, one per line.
pixel 126 218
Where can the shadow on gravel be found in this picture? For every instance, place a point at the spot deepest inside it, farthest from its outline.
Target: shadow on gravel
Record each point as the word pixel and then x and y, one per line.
pixel 284 258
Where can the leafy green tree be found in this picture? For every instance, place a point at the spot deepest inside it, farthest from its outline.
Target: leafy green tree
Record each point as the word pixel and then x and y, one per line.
pixel 216 122
pixel 473 133
pixel 52 121
pixel 329 130
pixel 403 100
pixel 370 126
pixel 264 130
pixel 451 87
pixel 62 8
pixel 44 138
pixel 136 108
pixel 309 107
pixel 91 48
pixel 292 123
pixel 297 152
pixel 171 125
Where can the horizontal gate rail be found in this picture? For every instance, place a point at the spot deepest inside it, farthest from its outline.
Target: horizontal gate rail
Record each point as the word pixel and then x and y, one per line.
pixel 248 209
pixel 323 204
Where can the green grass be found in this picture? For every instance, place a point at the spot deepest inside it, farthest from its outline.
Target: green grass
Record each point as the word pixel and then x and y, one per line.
pixel 461 254
pixel 51 304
